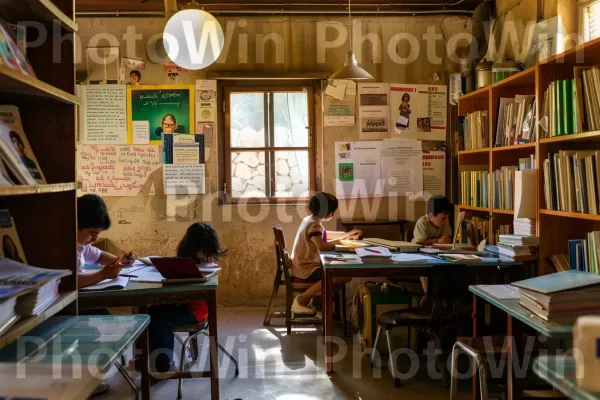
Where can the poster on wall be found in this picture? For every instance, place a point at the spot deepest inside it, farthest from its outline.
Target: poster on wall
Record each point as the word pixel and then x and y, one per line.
pixel 434 173
pixel 118 170
pixel 374 110
pixel 165 109
pixel 103 114
pixel 419 111
pixel 183 159
pixel 401 167
pixel 358 169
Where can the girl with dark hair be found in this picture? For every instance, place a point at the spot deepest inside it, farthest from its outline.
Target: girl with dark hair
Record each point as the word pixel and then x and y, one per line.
pixel 9 248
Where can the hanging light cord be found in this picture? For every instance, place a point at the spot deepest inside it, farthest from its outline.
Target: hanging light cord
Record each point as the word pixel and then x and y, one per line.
pixel 350 22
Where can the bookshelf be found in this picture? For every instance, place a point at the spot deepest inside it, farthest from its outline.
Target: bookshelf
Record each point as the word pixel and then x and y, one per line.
pixel 555 228
pixel 45 215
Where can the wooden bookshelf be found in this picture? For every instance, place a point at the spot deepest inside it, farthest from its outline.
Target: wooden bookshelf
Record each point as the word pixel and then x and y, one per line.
pixel 555 228
pixel 471 208
pixel 474 151
pixel 45 215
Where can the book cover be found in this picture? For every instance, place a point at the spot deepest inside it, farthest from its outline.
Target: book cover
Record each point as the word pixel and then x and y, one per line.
pixel 9 48
pixel 567 106
pixel 11 244
pixel 584 189
pixel 11 117
pixel 558 282
pixel 573 253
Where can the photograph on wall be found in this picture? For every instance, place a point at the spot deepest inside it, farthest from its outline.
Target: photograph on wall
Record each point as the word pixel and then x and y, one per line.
pixel 166 108
pixel 374 111
pixel 419 111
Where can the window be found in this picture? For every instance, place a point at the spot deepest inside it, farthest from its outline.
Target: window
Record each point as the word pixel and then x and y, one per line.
pixel 268 143
pixel 591 23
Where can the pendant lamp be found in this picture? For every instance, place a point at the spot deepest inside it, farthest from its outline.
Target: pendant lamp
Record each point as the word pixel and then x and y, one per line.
pixel 351 70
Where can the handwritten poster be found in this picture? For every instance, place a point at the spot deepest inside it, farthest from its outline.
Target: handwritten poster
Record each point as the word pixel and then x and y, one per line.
pixel 113 170
pixel 183 179
pixel 401 167
pixel 374 110
pixel 103 114
pixel 166 108
pixel 434 173
pixel 419 111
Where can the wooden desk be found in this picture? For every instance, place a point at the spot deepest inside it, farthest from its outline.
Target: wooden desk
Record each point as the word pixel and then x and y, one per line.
pixel 559 371
pixel 386 269
pixel 142 295
pixel 94 343
pixel 516 319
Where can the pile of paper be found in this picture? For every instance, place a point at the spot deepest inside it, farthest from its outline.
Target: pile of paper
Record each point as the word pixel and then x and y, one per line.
pixel 373 253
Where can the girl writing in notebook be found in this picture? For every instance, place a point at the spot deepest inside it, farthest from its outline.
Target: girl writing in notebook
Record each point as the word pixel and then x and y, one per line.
pixel 201 244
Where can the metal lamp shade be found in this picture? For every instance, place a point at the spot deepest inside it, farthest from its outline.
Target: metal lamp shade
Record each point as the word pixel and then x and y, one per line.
pixel 351 70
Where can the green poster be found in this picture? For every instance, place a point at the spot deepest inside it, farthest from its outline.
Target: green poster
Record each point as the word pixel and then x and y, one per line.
pixel 160 108
pixel 346 172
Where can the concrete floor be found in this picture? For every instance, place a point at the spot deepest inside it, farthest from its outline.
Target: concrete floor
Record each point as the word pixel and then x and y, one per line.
pixel 274 365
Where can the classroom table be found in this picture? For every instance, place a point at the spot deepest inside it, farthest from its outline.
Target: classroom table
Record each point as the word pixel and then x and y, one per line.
pixel 517 318
pixel 559 371
pixel 386 269
pixel 94 342
pixel 142 295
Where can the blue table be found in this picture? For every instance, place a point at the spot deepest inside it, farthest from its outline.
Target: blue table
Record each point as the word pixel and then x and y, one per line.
pixel 559 371
pixel 387 269
pixel 142 295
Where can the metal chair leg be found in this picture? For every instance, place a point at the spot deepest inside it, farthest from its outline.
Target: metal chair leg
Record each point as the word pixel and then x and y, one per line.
pixel 375 346
pixel 182 361
pixel 232 358
pixel 194 350
pixel 483 380
pixel 453 372
pixel 392 364
pixel 125 375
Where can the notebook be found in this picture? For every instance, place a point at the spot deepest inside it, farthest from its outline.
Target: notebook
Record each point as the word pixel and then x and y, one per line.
pixel 353 244
pixel 373 253
pixel 119 282
pixel 560 281
pixel 410 258
pixel 394 245
pixel 461 258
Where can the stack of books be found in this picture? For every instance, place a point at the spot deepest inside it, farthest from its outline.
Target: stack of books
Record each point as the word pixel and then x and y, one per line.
pixel 572 181
pixel 561 297
pixel 475 130
pixel 474 188
pixel 560 109
pixel 502 230
pixel 517 247
pixel 584 254
pixel 525 227
pixel 516 121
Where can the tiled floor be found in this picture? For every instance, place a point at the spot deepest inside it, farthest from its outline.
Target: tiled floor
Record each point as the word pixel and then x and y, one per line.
pixel 274 365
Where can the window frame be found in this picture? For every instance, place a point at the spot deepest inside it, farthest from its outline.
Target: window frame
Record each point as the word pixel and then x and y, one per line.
pixel 584 6
pixel 268 90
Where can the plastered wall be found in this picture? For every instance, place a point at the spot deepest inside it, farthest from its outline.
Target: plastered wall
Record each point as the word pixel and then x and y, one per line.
pixel 140 223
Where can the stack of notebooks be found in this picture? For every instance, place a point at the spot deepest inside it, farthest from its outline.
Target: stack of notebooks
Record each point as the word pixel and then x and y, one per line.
pixel 475 130
pixel 524 227
pixel 584 254
pixel 561 297
pixel 474 188
pixel 25 290
pixel 516 120
pixel 572 181
pixel 560 111
pixel 375 253
pixel 517 247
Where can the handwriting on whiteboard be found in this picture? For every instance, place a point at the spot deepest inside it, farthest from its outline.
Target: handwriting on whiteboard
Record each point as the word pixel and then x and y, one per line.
pixel 118 170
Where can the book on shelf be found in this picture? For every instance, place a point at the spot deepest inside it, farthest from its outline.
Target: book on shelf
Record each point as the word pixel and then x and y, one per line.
pixel 474 184
pixel 8 302
pixel 10 242
pixel 475 130
pixel 503 185
pixel 572 181
pixel 19 146
pixel 473 230
pixel 520 240
pixel 560 262
pixel 584 254
pixel 587 101
pixel 562 109
pixel 502 230
pixel 516 121
pixel 10 53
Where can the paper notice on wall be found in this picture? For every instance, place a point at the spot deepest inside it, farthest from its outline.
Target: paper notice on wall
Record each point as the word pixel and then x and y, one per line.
pixel 434 173
pixel 183 179
pixel 206 84
pixel 374 111
pixel 351 88
pixel 339 112
pixel 141 132
pixel 112 170
pixel 419 111
pixel 358 169
pixel 206 112
pixel 401 167
pixel 103 114
pixel 183 149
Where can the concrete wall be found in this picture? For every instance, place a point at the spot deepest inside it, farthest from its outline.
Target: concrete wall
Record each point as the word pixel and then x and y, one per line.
pixel 140 223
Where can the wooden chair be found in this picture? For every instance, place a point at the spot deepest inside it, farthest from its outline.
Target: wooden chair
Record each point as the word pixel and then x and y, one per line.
pixel 294 285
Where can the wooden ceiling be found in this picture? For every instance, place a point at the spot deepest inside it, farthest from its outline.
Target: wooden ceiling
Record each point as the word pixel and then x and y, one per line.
pixel 289 6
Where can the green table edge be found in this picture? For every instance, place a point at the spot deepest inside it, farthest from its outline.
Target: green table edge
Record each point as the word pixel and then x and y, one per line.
pixel 546 368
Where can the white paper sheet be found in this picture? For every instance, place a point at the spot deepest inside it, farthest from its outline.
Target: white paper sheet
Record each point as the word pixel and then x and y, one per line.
pixel 401 167
pixel 118 282
pixel 206 84
pixel 502 292
pixel 339 112
pixel 184 179
pixel 525 186
pixel 410 258
pixel 434 173
pixel 374 111
pixel 141 132
pixel 358 170
pixel 103 114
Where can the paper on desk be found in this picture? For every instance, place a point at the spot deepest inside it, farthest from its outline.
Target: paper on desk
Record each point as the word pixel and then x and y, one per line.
pixel 410 258
pixel 119 282
pixel 501 292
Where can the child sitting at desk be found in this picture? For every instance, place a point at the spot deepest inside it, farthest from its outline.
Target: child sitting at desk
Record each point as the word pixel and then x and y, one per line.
pixel 201 244
pixel 309 241
pixel 93 219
